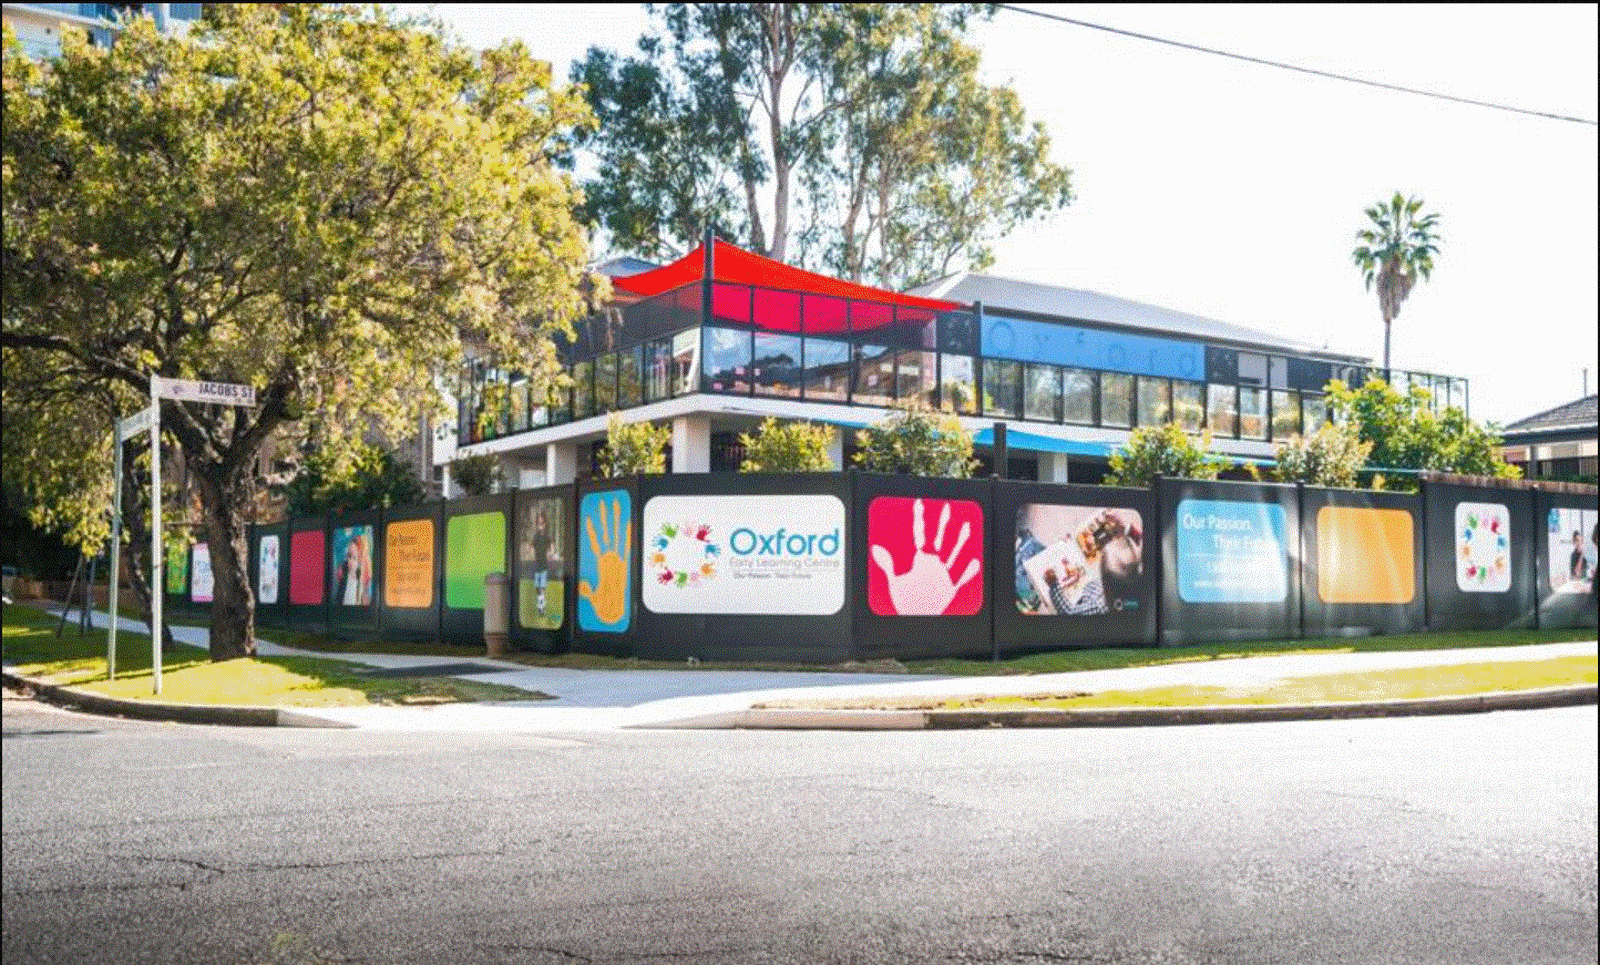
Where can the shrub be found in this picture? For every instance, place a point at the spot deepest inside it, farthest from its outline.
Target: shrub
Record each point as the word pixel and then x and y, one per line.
pixel 633 448
pixel 1330 457
pixel 787 447
pixel 1167 450
pixel 917 440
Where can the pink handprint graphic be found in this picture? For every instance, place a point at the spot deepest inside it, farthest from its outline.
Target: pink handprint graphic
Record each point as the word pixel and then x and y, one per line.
pixel 915 576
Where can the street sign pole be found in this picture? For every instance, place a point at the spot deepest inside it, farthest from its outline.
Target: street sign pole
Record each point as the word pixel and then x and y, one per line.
pixel 116 554
pixel 158 585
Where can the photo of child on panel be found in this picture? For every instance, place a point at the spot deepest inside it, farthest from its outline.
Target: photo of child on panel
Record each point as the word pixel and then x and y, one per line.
pixel 541 592
pixel 352 559
pixel 1571 551
pixel 267 572
pixel 1079 560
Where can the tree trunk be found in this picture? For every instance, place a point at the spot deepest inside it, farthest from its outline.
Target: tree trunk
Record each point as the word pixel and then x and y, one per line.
pixel 223 500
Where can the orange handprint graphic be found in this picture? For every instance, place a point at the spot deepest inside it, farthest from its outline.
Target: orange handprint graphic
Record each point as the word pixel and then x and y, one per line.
pixel 607 560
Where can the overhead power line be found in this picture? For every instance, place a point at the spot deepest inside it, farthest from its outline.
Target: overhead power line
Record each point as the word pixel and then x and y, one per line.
pixel 1294 67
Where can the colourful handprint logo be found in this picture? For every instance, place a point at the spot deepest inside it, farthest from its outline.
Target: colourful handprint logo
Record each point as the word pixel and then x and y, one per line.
pixel 912 576
pixel 603 591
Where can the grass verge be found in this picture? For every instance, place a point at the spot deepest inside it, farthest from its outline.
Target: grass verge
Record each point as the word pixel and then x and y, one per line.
pixel 1409 683
pixel 189 676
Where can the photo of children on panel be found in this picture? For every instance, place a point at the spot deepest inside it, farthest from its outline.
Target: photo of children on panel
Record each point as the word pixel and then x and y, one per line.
pixel 541 589
pixel 1079 560
pixel 1572 535
pixel 352 556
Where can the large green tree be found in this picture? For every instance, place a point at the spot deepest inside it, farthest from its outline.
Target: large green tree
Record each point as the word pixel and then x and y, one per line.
pixel 321 202
pixel 850 138
pixel 1405 432
pixel 1396 248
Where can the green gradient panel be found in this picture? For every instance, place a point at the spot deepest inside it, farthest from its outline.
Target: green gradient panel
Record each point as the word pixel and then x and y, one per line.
pixel 475 546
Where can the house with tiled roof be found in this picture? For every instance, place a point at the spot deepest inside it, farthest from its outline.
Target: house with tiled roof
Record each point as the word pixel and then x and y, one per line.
pixel 1558 443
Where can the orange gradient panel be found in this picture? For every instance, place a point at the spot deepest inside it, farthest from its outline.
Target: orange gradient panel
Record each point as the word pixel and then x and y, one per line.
pixel 1365 555
pixel 408 564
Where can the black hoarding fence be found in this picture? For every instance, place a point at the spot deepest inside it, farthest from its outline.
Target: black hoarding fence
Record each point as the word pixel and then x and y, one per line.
pixel 412 571
pixel 477 542
pixel 1230 561
pixel 355 566
pixel 745 567
pixel 1480 557
pixel 542 559
pixel 1566 528
pixel 1073 566
pixel 828 567
pixel 1361 568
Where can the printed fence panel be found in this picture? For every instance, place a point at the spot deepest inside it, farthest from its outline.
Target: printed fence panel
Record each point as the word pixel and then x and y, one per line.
pixel 745 567
pixel 543 564
pixel 412 564
pixel 606 599
pixel 269 572
pixel 921 549
pixel 476 543
pixel 1568 559
pixel 1361 570
pixel 1480 546
pixel 308 574
pixel 355 562
pixel 1075 566
pixel 1230 562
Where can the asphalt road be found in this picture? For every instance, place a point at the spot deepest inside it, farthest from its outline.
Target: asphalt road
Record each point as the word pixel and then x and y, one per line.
pixel 1446 839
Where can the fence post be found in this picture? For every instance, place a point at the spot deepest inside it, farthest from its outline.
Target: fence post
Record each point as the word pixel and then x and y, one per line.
pixel 1158 577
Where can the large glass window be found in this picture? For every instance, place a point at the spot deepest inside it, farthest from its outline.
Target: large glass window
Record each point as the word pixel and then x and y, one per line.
pixel 685 362
pixel 1041 393
pixel 1077 396
pixel 1222 410
pixel 914 374
pixel 658 370
pixel 583 390
pixel 1314 409
pixel 1116 400
pixel 1285 415
pixel 777 311
pixel 874 375
pixel 958 384
pixel 827 373
pixel 1189 405
pixel 1252 413
pixel 776 367
pixel 605 383
pixel 727 360
pixel 630 377
pixel 1002 388
pixel 1155 401
pixel 1252 369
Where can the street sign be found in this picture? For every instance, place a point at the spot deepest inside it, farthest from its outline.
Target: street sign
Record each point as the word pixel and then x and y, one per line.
pixel 136 423
pixel 189 390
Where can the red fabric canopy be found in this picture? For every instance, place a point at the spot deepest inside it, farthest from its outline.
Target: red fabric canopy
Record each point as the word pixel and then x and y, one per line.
pixel 737 266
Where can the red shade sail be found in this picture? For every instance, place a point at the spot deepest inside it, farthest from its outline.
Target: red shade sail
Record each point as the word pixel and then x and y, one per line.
pixel 737 266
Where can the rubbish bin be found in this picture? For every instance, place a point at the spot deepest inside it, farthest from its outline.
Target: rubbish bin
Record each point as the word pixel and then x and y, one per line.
pixel 496 613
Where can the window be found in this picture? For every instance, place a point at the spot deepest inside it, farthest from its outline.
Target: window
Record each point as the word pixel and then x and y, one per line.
pixel 1077 396
pixel 874 375
pixel 1458 393
pixel 775 369
pixel 605 383
pixel 1155 401
pixel 630 377
pixel 958 386
pixel 1285 415
pixel 1002 388
pixel 1116 400
pixel 1314 410
pixel 1189 405
pixel 519 404
pixel 727 360
pixel 685 376
pixel 777 311
pixel 1278 372
pixel 1252 413
pixel 827 371
pixel 1041 393
pixel 914 374
pixel 1252 369
pixel 1222 410
pixel 583 390
pixel 658 370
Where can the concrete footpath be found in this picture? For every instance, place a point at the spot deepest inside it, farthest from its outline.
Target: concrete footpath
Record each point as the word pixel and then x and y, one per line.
pixel 587 700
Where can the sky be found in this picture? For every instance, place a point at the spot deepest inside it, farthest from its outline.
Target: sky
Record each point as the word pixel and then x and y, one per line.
pixel 1234 191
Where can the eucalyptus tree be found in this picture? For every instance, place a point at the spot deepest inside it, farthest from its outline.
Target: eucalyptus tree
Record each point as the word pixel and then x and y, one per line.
pixel 322 202
pixel 852 138
pixel 1395 249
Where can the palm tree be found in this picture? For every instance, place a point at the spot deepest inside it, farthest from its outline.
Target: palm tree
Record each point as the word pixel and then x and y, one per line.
pixel 1396 248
